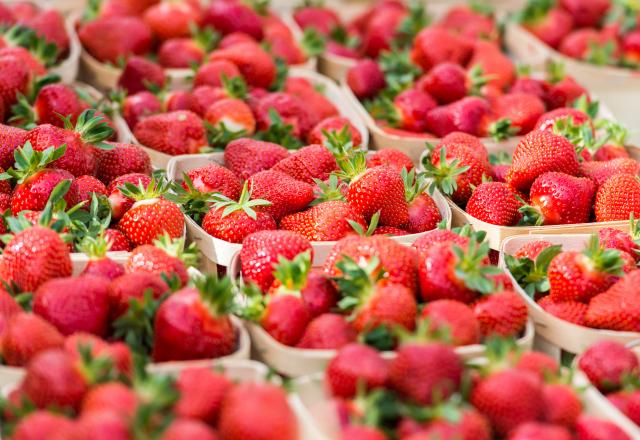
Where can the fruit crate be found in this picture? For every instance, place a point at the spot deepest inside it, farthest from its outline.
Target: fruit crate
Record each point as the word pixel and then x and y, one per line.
pixel 105 76
pixel 330 90
pixel 222 252
pixel 561 334
pixel 618 86
pixel 295 362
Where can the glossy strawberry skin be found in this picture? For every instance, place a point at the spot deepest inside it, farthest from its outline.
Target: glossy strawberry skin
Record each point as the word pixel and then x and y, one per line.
pixel 562 199
pixel 606 363
pixel 286 194
pixel 215 178
pixel 179 132
pixel 455 315
pixel 255 64
pixel 495 203
pixel 617 198
pixel 389 305
pixel 617 308
pixel 572 311
pixel 308 163
pixel 326 221
pixel 148 219
pixel 109 38
pixel 354 363
pixel 327 331
pixel 25 335
pixel 246 157
pixel 192 403
pixel 285 318
pixel 572 278
pixel 122 159
pixel 366 79
pixel 237 225
pixel 156 261
pixel 501 313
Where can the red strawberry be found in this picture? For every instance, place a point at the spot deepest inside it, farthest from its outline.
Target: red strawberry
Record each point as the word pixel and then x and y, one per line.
pixel 99 263
pixel 118 353
pixel 333 124
pixel 446 82
pixel 292 110
pixel 631 47
pixel 535 430
pixel 318 104
pixel 171 20
pixel 469 115
pixel 308 163
pixel 327 331
pixel 119 202
pixel 112 397
pixel 250 400
pixel 50 25
pixel 326 221
pixel 211 73
pixel 107 39
pixel 51 105
pixel 286 194
pixel 586 14
pixel 179 132
pixel 139 73
pixel 564 93
pixel 135 108
pixel 232 115
pixel 214 178
pixel 166 256
pixel 151 215
pixel 86 187
pixel 617 198
pixel 408 111
pixel 181 53
pixel 133 286
pixel 43 424
pixel 521 109
pixel 25 335
pixel 283 315
pixel 255 64
pixel 501 313
pixel 617 308
pixel 562 404
pixel 538 363
pixel 549 119
pixel 498 67
pixel 13 80
pixel 434 45
pixel 540 152
pixel 550 25
pixel 532 249
pixel 321 18
pixel 572 311
pixel 381 30
pixel 591 428
pixel 356 363
pixel 246 157
pixel 361 432
pixel 366 79
pixel 122 159
pixel 424 372
pixel 230 16
pixel 390 157
pixel 589 45
pixel 118 241
pixel 199 315
pixel 457 317
pixel 600 172
pixel 104 424
pixel 495 203
pixel 424 214
pixel 34 256
pixel 196 383
pixel 611 238
pixel 10 139
pixel 188 428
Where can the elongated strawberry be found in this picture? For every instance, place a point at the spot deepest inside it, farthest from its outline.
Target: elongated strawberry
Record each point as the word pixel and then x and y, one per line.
pixel 326 221
pixel 25 335
pixel 618 198
pixel 434 45
pixel 308 163
pixel 120 160
pixel 214 178
pixel 246 157
pixel 178 132
pixel 549 24
pixel 110 38
pixel 286 194
pixel 255 64
pixel 365 79
pixel 580 276
pixel 191 383
pixel 606 363
pixel 408 111
pixel 424 214
pixel 617 307
pixel 471 114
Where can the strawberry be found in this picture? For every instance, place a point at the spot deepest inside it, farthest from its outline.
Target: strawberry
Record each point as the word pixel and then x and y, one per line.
pixel 122 159
pixel 509 398
pixel 10 139
pixel 375 301
pixel 99 263
pixel 495 203
pixel 118 241
pixel 191 383
pixel 180 428
pixel 166 256
pixel 212 73
pixel 532 86
pixel 286 194
pixel 232 221
pixel 502 313
pixel 197 314
pixel 26 335
pixel 179 132
pixel 139 74
pixel 321 18
pixel 471 142
pixel 540 152
pixel 355 364
pixel 214 178
pixel 434 45
pixel 547 23
pixel 361 432
pixel 50 25
pixel 425 372
pixel 565 93
pixel 590 45
pixel 232 115
pixel 291 109
pixel 34 256
pixel 600 172
pixel 611 238
pixel 591 428
pixel 255 64
pixel 469 115
pixel 106 424
pixel 615 146
pixel 53 102
pixel 181 53
pixel 558 198
pixel 586 14
pixel 616 308
pixel 328 331
pixel 390 157
pixel 579 276
pixel 408 110
pixel 133 286
pixel 110 38
pixel 151 215
pixel 365 79
pixel 260 251
pixel 43 424
pixel 118 201
pixel 308 164
pixel 455 316
pixel 549 119
pixel 538 363
pixel 230 16
pixel 318 104
pixel 498 67
pixel 14 79
pixel 572 311
pixel 446 82
pixel 74 304
pixel 171 20
pixel 112 397
pixel 424 214
pixel 399 262
pixel 246 157
pixel 87 186
pixel 617 198
pixel 381 30
pixel 138 106
pixel 326 221
pixel 533 430
pixel 562 404
pixel 631 47
pixel 250 400
pixel 522 110
pixel 118 353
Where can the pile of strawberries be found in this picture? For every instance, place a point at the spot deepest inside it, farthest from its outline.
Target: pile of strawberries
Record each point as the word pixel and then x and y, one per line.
pixel 427 392
pixel 71 393
pixel 614 370
pixel 379 291
pixel 594 288
pixel 601 32
pixel 182 34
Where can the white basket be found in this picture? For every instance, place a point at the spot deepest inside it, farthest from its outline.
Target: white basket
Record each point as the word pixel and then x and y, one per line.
pixel 563 334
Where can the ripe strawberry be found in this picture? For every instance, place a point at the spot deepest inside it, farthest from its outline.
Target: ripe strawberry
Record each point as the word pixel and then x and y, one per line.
pixel 181 53
pixel 502 313
pixel 457 317
pixel 200 315
pixel 600 172
pixel 534 430
pixel 179 132
pixel 53 102
pixel 255 64
pixel 151 215
pixel 166 256
pixel 366 79
pixel 434 45
pixel 286 194
pixel 232 115
pixel 122 159
pixel 498 67
pixel 361 432
pixel 229 17
pixel 521 109
pixel 135 108
pixel 495 203
pixel 446 82
pixel 196 383
pixel 532 249
pixel 308 164
pixel 572 311
pixel 586 14
pixel 321 18
pixel 34 256
pixel 139 73
pixel 214 178
pixel 591 428
pixel 86 187
pixel 565 93
pixel 13 80
pixel 424 214
pixel 549 119
pixel 422 371
pixel 118 353
pixel 538 363
pixel 261 250
pixel 25 335
pixel 399 262
pixel 617 308
pixel 232 221
pixel 375 301
pixel 328 331
pixel 118 201
pixel 112 397
pixel 50 25
pixel 250 400
pixel 470 115
pixel 509 398
pixel 540 152
pixel 99 263
pixel 549 24
pixel 101 424
pixel 133 286
pixel 381 29
pixel 326 221
pixel 292 110
pixel 10 139
pixel 333 124
pixel 631 47
pixel 356 363
pixel 618 198
pixel 408 111
pixel 606 363
pixel 180 428
pixel 611 238
pixel 246 157
pixel 211 73
pixel 318 104
pixel 589 45
pixel 118 241
pixel 171 20
pixel 390 157
pixel 110 38
pixel 562 404
pixel 43 424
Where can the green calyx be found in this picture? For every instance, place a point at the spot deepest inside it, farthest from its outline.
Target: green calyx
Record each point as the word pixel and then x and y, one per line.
pixel 206 37
pixel 254 303
pixel 534 11
pixel 219 136
pixel 617 133
pixel 340 35
pixel 312 43
pixel 530 274
pixel 555 71
pixel 586 105
pixel 235 87
pixel 500 158
pixel 424 333
pixel 357 282
pixel 478 80
pixel 371 228
pixel 531 215
pixel 502 129
pixel 292 274
pixel 92 129
pixel 414 22
pixel 580 135
pixel 23 114
pixel 95 369
pixel 244 203
pixel 95 248
pixel 158 187
pixel 192 202
pixel 175 247
pixel 29 161
pixel 351 161
pixel 471 268
pixel 279 132
pixel 46 53
pixel 157 395
pixel 415 184
pixel 382 108
pixel 217 293
pixel 399 71
pixel 604 260
pixel 329 190
pixel 601 54
pixel 444 175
